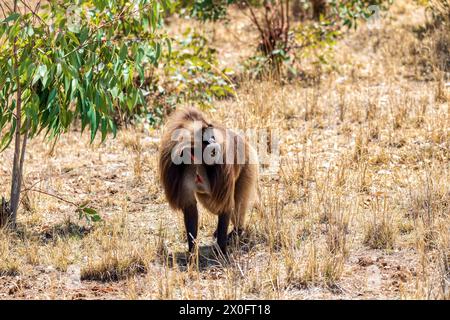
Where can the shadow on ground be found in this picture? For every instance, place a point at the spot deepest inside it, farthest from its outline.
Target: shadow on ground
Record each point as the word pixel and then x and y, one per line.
pixel 64 230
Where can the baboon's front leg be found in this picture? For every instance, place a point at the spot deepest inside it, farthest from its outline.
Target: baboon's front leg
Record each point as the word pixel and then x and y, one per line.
pixel 191 224
pixel 222 230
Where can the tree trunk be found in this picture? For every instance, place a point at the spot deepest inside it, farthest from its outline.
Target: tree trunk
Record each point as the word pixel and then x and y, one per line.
pixel 19 151
pixel 5 213
pixel 17 177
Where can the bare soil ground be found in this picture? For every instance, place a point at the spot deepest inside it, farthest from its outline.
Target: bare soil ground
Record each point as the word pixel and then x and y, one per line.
pixel 357 209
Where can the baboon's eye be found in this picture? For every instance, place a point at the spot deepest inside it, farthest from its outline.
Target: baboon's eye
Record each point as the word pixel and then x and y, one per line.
pixel 212 140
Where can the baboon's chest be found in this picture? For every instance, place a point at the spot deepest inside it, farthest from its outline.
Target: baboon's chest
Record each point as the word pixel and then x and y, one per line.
pixel 213 206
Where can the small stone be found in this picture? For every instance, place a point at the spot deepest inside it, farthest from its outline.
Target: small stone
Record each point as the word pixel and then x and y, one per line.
pixel 49 269
pixel 365 261
pixel 73 280
pixel 373 278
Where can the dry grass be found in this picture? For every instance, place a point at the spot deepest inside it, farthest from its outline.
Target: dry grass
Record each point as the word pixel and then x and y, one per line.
pixel 358 207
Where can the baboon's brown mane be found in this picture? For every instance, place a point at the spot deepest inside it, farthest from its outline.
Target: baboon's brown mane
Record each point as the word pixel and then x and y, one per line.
pixel 220 176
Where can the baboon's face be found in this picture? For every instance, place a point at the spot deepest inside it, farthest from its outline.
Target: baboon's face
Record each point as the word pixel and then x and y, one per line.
pixel 195 176
pixel 196 158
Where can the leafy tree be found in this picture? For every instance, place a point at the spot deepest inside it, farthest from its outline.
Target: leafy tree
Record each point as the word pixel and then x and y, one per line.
pixel 205 10
pixel 68 60
pixel 350 11
pixel 188 74
pixel 282 38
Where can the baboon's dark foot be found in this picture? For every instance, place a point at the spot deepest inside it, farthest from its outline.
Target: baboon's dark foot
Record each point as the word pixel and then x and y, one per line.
pixel 221 253
pixel 234 234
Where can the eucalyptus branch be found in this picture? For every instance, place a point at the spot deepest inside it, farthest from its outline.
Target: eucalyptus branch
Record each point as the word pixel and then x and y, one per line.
pixel 31 92
pixel 105 24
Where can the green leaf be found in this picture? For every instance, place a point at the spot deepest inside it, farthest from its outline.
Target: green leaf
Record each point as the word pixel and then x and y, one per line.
pixel 104 128
pixel 51 97
pixel 92 115
pixel 123 52
pixel 73 37
pixel 158 52
pixel 89 214
pixel 95 218
pixel 113 127
pixel 169 47
pixel 89 211
pixel 12 17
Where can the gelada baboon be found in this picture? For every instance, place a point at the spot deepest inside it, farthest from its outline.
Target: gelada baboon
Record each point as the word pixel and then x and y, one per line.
pixel 200 161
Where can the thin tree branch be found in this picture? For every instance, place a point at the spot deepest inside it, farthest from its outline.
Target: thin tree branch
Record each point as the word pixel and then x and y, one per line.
pixel 270 30
pixel 286 36
pixel 8 7
pixel 3 10
pixel 254 18
pixel 34 13
pixel 33 185
pixel 54 196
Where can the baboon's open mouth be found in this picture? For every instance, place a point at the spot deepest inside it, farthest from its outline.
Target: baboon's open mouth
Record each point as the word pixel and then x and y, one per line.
pixel 198 179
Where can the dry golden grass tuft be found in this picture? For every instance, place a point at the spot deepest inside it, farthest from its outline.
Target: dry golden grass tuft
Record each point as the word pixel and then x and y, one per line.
pixel 358 206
